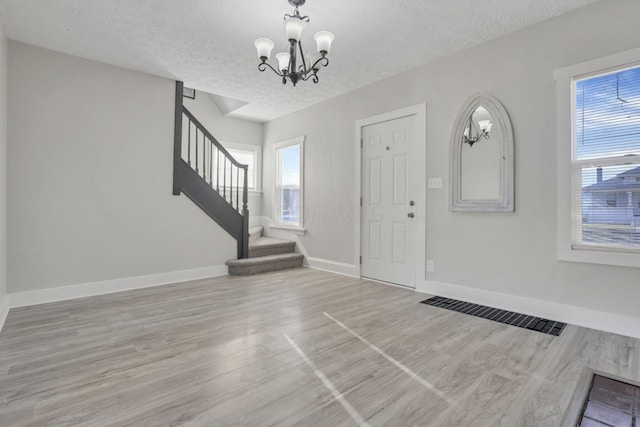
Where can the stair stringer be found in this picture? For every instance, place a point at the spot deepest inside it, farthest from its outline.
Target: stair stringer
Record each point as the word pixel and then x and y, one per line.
pixel 213 204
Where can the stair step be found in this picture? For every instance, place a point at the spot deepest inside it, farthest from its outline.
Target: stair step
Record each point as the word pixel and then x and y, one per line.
pixel 265 246
pixel 255 233
pixel 249 266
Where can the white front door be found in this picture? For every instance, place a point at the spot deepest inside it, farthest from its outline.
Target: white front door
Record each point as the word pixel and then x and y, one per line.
pixel 389 158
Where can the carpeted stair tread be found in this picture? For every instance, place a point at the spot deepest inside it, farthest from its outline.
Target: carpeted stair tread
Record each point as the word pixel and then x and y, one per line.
pixel 266 254
pixel 249 266
pixel 265 241
pixel 265 246
pixel 266 259
pixel 255 233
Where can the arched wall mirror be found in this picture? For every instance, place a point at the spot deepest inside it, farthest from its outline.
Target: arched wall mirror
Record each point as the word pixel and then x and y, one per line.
pixel 481 158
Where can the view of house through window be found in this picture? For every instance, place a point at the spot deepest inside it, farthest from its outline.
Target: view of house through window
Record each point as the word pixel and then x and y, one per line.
pixel 606 160
pixel 289 157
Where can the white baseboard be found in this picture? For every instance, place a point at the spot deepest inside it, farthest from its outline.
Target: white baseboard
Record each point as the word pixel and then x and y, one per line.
pixel 579 316
pixel 4 310
pixel 341 268
pixel 589 318
pixel 63 293
pixel 333 267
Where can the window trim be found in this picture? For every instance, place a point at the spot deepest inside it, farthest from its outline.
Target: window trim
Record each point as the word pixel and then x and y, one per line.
pixel 276 193
pixel 567 163
pixel 257 150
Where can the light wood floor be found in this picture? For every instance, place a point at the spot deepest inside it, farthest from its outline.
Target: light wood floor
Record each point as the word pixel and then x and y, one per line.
pixel 301 347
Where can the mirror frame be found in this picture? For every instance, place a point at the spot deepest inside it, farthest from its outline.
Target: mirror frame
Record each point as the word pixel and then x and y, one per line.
pixel 505 203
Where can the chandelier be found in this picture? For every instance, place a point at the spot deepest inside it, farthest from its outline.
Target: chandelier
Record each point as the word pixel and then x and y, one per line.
pixel 288 67
pixel 474 133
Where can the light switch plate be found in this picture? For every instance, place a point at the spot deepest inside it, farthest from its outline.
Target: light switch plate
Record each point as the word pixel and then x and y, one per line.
pixel 435 183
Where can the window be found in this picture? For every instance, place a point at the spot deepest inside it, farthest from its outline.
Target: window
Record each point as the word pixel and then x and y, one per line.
pixel 612 201
pixel 606 160
pixel 598 160
pixel 288 200
pixel 246 155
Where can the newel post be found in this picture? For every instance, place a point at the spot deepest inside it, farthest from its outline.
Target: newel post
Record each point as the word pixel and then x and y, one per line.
pixel 244 241
pixel 177 138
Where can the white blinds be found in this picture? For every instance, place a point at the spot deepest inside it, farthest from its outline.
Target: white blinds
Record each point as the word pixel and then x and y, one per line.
pixel 606 165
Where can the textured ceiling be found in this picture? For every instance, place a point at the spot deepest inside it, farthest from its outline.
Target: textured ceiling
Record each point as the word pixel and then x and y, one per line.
pixel 208 44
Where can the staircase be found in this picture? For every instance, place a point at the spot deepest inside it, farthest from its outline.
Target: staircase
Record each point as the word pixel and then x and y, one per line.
pixel 265 254
pixel 206 173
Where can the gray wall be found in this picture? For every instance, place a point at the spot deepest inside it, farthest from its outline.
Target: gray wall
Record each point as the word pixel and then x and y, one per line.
pixel 508 253
pixel 224 128
pixel 227 129
pixel 3 165
pixel 90 176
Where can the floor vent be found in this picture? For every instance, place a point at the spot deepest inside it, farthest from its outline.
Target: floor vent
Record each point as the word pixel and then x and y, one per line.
pixel 503 316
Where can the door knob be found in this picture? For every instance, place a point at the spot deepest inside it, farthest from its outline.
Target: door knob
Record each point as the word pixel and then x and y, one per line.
pixel 410 214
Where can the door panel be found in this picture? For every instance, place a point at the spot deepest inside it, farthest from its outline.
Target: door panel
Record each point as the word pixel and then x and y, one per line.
pixel 388 233
pixel 400 180
pixel 399 243
pixel 376 181
pixel 375 242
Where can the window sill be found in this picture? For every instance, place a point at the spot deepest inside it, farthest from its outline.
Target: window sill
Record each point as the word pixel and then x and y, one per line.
pixel 594 256
pixel 236 189
pixel 295 230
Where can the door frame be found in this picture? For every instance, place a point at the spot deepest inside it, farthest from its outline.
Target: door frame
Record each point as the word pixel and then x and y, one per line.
pixel 420 175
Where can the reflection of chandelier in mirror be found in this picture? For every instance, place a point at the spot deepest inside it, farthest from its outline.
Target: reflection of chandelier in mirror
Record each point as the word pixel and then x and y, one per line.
pixel 287 61
pixel 474 133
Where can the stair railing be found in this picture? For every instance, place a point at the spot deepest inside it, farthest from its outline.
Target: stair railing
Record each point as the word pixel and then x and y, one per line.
pixel 210 176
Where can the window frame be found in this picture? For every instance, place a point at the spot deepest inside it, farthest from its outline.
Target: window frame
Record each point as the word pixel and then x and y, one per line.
pixel 257 156
pixel 570 168
pixel 277 185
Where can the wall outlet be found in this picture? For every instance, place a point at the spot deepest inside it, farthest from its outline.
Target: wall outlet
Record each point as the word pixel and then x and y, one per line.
pixel 435 183
pixel 430 266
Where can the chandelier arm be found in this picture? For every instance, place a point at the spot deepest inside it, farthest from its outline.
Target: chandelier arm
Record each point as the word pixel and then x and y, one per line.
pixel 473 139
pixel 297 16
pixel 324 60
pixel 474 128
pixel 470 139
pixel 314 78
pixel 263 66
